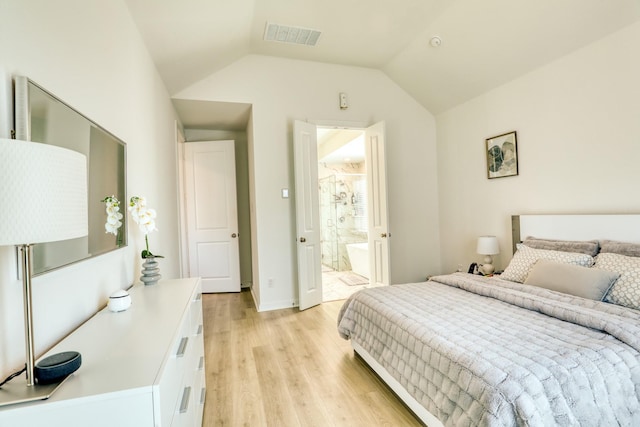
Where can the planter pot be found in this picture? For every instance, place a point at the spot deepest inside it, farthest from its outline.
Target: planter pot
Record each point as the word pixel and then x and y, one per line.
pixel 150 271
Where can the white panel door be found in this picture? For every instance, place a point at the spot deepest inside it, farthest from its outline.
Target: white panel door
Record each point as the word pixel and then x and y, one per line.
pixel 378 216
pixel 211 212
pixel 305 151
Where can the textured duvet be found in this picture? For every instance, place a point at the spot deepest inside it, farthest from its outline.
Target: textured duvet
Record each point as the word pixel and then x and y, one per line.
pixel 478 351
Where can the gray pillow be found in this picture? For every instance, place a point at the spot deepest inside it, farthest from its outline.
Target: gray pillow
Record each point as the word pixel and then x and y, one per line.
pixel 572 279
pixel 620 248
pixel 589 247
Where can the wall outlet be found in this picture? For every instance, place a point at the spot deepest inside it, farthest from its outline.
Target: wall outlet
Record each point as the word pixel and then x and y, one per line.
pixel 344 104
pixel 270 282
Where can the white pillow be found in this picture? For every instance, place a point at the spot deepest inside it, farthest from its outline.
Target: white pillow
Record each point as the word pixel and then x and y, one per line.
pixel 591 283
pixel 525 257
pixel 626 290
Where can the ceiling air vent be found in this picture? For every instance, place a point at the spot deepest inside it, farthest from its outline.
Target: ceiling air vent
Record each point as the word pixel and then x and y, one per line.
pixel 293 35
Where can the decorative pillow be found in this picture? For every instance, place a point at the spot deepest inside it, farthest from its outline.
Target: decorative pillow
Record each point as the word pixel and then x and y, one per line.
pixel 621 248
pixel 575 280
pixel 524 258
pixel 589 247
pixel 626 290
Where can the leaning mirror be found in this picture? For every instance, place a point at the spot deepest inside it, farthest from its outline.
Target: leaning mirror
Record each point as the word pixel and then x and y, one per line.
pixel 41 117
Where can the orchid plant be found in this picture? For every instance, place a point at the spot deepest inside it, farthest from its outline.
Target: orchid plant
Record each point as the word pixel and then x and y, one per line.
pixel 141 214
pixel 113 215
pixel 145 218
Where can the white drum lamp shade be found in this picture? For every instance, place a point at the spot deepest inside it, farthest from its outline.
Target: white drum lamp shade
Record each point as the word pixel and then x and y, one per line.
pixel 487 246
pixel 43 189
pixel 44 193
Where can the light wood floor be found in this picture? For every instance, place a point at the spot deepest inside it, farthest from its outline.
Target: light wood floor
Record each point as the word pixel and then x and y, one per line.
pixel 288 368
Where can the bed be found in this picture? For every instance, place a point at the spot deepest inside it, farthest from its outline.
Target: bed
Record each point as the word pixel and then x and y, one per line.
pixel 554 340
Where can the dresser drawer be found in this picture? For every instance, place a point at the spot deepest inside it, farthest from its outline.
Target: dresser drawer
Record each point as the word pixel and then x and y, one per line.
pixel 196 313
pixel 201 393
pixel 190 406
pixel 185 415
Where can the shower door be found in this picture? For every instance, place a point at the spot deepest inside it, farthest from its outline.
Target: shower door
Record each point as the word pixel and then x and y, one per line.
pixel 328 221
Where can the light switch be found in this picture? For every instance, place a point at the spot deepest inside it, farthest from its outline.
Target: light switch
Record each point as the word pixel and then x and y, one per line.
pixel 285 193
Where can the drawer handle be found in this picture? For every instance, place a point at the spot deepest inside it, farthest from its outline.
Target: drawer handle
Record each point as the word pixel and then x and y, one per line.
pixel 203 393
pixel 183 347
pixel 184 403
pixel 199 330
pixel 201 364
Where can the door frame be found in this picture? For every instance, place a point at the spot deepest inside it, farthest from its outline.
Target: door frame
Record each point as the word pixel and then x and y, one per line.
pixel 350 126
pixel 183 247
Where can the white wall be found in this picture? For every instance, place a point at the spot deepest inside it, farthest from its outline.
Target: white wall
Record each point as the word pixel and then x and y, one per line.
pixel 91 56
pixel 283 90
pixel 578 124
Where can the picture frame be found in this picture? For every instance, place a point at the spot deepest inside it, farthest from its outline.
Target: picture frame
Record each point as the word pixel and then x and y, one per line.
pixel 502 155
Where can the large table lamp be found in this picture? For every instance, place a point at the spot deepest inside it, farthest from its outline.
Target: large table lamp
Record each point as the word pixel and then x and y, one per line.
pixel 44 199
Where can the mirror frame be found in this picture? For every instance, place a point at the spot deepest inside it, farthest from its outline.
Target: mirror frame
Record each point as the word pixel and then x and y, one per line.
pixel 97 139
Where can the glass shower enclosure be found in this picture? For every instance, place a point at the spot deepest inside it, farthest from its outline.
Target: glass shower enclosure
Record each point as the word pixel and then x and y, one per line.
pixel 343 207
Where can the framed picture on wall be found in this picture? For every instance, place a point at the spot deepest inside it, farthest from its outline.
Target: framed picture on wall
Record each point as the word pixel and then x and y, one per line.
pixel 502 155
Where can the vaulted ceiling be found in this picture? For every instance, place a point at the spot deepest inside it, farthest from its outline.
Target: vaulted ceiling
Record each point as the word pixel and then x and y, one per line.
pixel 484 43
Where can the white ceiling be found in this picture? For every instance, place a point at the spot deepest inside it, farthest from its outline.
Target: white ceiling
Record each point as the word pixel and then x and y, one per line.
pixel 340 145
pixel 485 43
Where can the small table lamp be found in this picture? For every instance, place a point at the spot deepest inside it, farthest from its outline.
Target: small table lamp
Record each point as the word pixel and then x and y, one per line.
pixel 44 199
pixel 487 246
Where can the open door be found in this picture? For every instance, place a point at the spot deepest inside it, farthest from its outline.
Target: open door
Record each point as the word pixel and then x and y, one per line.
pixel 305 151
pixel 378 213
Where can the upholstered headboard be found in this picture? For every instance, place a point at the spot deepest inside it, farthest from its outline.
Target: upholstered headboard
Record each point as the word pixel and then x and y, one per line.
pixel 621 227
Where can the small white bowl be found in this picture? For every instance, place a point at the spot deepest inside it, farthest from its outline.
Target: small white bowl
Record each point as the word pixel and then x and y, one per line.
pixel 119 301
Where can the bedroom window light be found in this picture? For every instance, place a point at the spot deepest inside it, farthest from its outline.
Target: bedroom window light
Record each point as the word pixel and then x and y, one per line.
pixel 487 246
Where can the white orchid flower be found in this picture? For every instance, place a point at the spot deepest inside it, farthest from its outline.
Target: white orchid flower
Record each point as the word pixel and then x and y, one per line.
pixel 145 218
pixel 113 215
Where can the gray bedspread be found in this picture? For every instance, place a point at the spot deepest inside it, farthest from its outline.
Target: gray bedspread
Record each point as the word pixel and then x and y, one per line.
pixel 478 351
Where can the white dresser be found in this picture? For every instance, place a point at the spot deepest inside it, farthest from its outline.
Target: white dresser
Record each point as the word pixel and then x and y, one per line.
pixel 141 367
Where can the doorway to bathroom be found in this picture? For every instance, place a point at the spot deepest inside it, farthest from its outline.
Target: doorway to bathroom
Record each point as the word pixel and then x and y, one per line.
pixel 342 188
pixel 307 200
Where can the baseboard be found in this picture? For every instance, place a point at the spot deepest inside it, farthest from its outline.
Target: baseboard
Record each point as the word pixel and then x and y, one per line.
pixel 275 305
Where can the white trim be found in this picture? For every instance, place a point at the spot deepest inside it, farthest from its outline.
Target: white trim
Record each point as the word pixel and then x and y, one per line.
pixel 183 248
pixel 276 305
pixel 420 411
pixel 338 124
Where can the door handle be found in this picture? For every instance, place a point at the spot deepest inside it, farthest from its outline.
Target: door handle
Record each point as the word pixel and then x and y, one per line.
pixel 383 235
pixel 302 240
pixel 234 235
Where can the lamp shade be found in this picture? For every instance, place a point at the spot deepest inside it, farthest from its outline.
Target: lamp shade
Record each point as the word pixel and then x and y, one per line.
pixel 488 245
pixel 44 193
